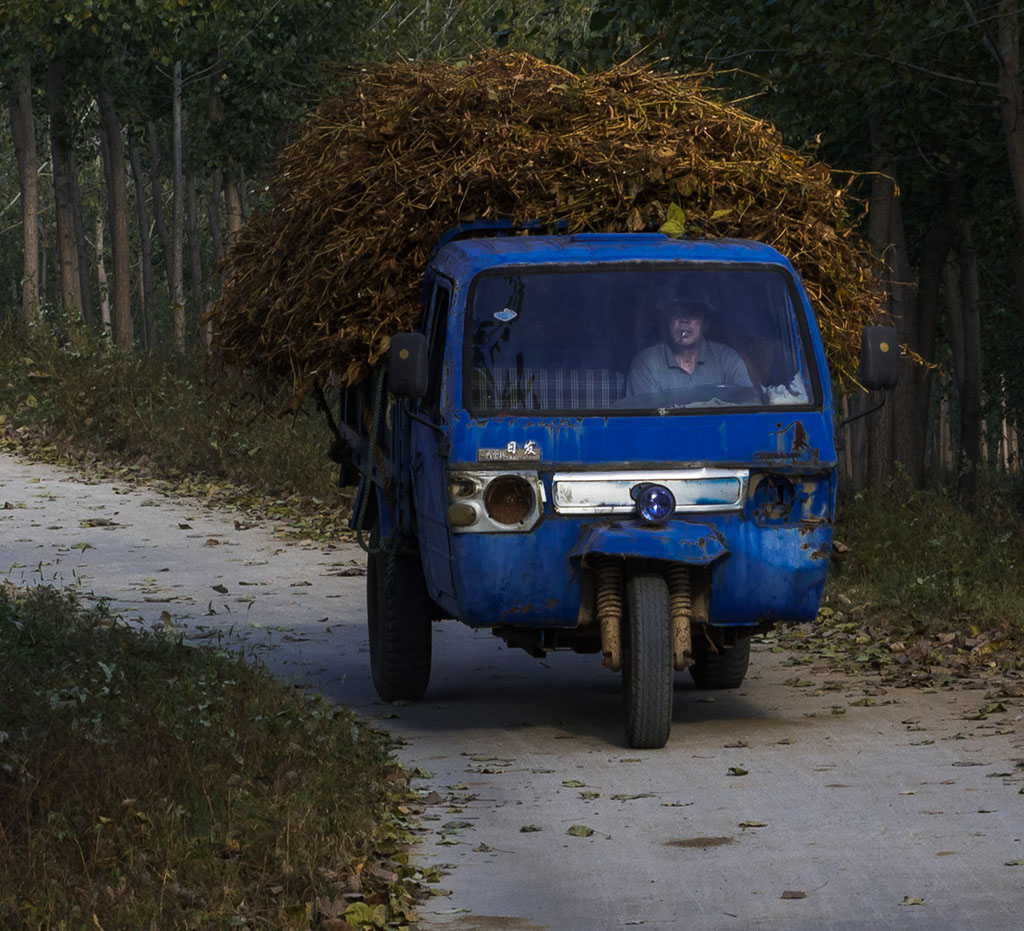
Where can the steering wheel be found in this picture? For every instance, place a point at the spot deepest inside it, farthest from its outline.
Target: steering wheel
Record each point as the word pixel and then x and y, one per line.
pixel 734 395
pixel 730 394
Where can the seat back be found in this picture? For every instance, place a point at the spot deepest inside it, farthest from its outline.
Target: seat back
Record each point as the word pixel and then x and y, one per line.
pixel 545 389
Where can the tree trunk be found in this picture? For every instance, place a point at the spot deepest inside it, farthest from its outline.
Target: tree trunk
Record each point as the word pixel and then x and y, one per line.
pixel 216 190
pixel 213 212
pixel 243 204
pixel 232 205
pixel 158 205
pixel 1004 47
pixel 944 442
pixel 906 441
pixel 117 201
pixel 84 279
pixel 195 276
pixel 1011 100
pixel 215 113
pixel 43 266
pixel 880 236
pixel 23 132
pixel 912 396
pixel 61 145
pixel 1011 110
pixel 970 395
pixel 106 329
pixel 145 247
pixel 178 219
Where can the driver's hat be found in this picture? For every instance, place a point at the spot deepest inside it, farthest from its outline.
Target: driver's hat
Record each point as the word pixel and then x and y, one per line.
pixel 680 307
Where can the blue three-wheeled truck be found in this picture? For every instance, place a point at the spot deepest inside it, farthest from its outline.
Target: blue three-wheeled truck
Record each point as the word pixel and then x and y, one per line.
pixel 609 443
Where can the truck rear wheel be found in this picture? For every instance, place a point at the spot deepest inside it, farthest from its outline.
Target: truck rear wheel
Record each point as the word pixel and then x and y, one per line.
pixel 397 609
pixel 647 676
pixel 725 669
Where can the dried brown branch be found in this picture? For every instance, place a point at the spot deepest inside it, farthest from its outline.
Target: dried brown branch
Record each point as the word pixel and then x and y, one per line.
pixel 321 282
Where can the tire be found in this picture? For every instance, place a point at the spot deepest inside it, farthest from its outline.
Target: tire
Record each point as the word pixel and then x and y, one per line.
pixel 398 616
pixel 723 670
pixel 647 674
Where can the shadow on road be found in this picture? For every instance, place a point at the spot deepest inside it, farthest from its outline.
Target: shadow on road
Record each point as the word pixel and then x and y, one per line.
pixel 479 684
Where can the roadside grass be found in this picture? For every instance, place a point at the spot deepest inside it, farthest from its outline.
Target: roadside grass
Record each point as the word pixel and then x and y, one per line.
pixel 149 784
pixel 933 566
pixel 129 416
pixel 923 591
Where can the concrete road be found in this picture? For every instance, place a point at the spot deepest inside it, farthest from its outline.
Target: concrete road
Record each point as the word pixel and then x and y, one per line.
pixel 825 803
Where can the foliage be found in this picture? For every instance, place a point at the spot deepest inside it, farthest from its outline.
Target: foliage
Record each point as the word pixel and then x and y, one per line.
pixel 823 73
pixel 250 69
pixel 144 783
pixel 821 70
pixel 319 283
pixel 454 29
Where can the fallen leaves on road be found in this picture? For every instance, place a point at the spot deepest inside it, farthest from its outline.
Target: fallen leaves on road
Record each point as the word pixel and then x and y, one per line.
pixel 925 660
pixel 580 830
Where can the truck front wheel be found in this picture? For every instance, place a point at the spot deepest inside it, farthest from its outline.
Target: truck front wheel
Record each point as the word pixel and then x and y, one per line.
pixel 647 677
pixel 398 614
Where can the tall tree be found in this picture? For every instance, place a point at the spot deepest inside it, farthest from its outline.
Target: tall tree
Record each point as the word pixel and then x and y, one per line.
pixel 1003 44
pixel 145 245
pixel 24 134
pixel 64 189
pixel 112 148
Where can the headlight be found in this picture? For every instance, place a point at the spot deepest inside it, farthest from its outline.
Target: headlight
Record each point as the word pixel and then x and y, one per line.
pixel 490 502
pixel 655 504
pixel 509 499
pixel 461 487
pixel 773 497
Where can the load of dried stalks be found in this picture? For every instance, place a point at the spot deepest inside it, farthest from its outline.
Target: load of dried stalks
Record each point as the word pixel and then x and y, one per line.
pixel 319 283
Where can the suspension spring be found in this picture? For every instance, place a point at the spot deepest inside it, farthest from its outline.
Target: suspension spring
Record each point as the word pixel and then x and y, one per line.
pixel 681 609
pixel 609 610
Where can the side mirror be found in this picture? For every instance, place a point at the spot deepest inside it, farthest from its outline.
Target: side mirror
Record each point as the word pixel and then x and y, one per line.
pixel 879 357
pixel 407 365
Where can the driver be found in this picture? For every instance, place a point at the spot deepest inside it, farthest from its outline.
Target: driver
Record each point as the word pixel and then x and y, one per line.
pixel 684 358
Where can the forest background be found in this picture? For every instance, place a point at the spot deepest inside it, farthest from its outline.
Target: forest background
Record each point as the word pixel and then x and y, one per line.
pixel 138 137
pixel 142 135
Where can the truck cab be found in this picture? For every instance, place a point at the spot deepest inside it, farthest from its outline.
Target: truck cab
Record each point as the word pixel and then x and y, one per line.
pixel 613 443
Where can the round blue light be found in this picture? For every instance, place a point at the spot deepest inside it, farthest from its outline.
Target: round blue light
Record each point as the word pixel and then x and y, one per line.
pixel 654 503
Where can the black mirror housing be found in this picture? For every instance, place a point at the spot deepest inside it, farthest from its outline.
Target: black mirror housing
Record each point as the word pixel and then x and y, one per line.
pixel 408 374
pixel 880 357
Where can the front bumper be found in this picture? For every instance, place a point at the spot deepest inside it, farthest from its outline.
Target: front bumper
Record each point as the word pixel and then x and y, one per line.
pixel 758 573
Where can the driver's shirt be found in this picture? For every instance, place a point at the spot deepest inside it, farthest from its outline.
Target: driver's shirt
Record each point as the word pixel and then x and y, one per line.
pixel 656 369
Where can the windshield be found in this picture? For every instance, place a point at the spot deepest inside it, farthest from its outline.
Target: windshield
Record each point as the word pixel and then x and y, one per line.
pixel 650 339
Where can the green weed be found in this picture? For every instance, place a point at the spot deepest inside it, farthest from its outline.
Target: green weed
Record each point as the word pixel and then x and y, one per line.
pixel 921 563
pixel 148 784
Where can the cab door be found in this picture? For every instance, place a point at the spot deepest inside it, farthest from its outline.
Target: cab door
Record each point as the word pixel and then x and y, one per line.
pixel 429 448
